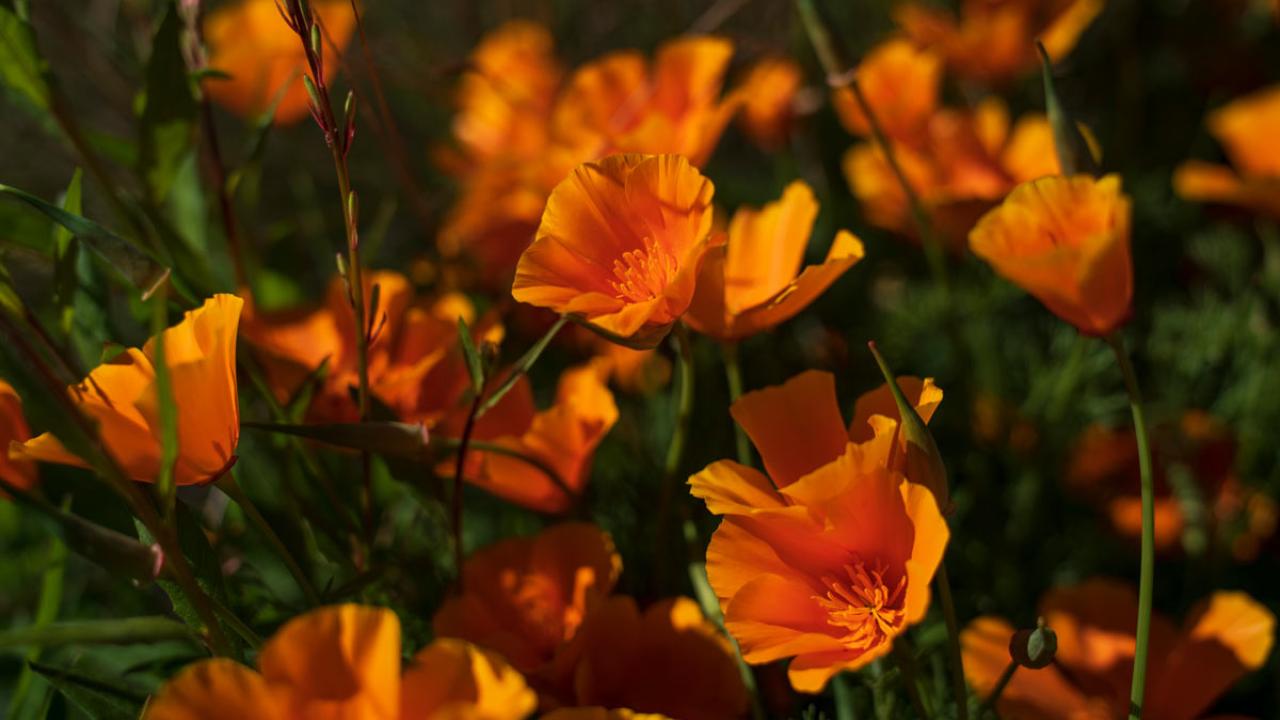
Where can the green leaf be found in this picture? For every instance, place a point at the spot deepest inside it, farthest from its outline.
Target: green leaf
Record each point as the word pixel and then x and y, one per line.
pixel 22 70
pixel 125 257
pixel 117 631
pixel 475 366
pixel 169 112
pixel 1074 152
pixel 100 695
pixel 51 586
pixel 390 439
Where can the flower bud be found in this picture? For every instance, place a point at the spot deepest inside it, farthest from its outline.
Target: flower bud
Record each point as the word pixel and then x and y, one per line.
pixel 1034 648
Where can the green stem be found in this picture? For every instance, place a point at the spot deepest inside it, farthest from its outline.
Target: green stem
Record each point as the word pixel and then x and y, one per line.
pixel 1146 573
pixel 117 631
pixel 842 694
pixel 458 475
pixel 675 449
pixel 907 670
pixel 989 705
pixel 521 367
pixel 246 633
pixel 229 485
pixel 958 688
pixel 733 371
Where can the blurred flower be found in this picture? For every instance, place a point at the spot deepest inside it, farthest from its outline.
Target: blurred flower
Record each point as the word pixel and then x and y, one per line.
pixel 121 397
pixel 753 282
pixel 599 713
pixel 14 431
pixel 768 94
pixel 620 246
pixel 1104 468
pixel 526 597
pixel 668 659
pixel 828 558
pixel 344 661
pixel 415 366
pixel 1222 640
pixel 1065 241
pixel 900 84
pixel 563 437
pixel 635 371
pixel 1248 129
pixel 993 41
pixel 250 42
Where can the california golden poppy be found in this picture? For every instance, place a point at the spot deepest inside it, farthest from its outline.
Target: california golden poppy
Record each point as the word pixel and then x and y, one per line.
pixel 13 429
pixel 994 42
pixel 768 95
pixel 563 437
pixel 1247 129
pixel 620 246
pixel 1222 640
pixel 1065 241
pixel 120 395
pixel 599 713
pixel 263 58
pixel 753 282
pixel 344 661
pixel 900 83
pixel 828 557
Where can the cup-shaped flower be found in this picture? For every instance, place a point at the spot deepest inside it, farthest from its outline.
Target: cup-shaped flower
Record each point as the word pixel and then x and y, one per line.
pixel 13 429
pixel 122 397
pixel 1065 240
pixel 1248 129
pixel 620 246
pixel 753 281
pixel 562 438
pixel 343 661
pixel 900 83
pixel 828 557
pixel 1223 638
pixel 261 59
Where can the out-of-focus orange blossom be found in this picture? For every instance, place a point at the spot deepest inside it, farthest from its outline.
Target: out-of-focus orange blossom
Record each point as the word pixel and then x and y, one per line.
pixel 1247 128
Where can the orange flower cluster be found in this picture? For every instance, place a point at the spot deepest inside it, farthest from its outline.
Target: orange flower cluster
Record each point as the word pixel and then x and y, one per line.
pixel 1223 638
pixel 828 557
pixel 522 130
pixel 544 603
pixel 122 397
pixel 344 662
pixel 260 61
pixel 959 162
pixel 1247 129
pixel 13 430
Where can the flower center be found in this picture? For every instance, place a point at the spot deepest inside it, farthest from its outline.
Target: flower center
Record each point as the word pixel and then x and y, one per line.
pixel 865 604
pixel 643 274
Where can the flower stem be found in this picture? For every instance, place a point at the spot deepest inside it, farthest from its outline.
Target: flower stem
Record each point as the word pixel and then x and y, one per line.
pixel 958 688
pixel 229 485
pixel 989 705
pixel 1146 572
pixel 907 670
pixel 522 366
pixel 733 371
pixel 458 474
pixel 675 449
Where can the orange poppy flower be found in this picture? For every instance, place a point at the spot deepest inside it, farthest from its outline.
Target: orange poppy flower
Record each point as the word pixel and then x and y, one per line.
pixel 1247 129
pixel 667 659
pixel 828 557
pixel 599 713
pixel 753 282
pixel 620 245
pixel 1065 241
pixel 563 437
pixel 251 43
pixel 635 371
pixel 415 366
pixel 343 661
pixel 13 430
pixel 768 95
pixel 121 396
pixel 1222 640
pixel 900 83
pixel 994 42
pixel 526 597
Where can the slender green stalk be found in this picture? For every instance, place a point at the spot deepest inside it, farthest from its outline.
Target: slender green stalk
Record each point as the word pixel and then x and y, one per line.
pixel 953 642
pixel 675 449
pixel 229 485
pixel 521 367
pixel 116 631
pixel 989 705
pixel 733 371
pixel 458 474
pixel 907 670
pixel 1146 572
pixel 842 694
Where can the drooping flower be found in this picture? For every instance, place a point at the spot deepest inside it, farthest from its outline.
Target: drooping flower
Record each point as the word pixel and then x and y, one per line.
pixel 563 437
pixel 994 42
pixel 620 246
pixel 1222 640
pixel 768 95
pixel 121 396
pixel 827 558
pixel 1247 130
pixel 262 58
pixel 754 282
pixel 901 84
pixel 343 661
pixel 13 429
pixel 1065 241
pixel 415 366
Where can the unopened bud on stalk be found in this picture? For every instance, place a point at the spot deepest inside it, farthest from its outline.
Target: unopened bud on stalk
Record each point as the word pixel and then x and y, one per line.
pixel 342 265
pixel 1034 648
pixel 316 46
pixel 353 208
pixel 312 93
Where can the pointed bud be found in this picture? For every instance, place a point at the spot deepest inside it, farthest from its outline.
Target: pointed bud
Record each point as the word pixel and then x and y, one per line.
pixel 353 208
pixel 1034 648
pixel 317 46
pixel 921 461
pixel 1075 153
pixel 342 265
pixel 312 93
